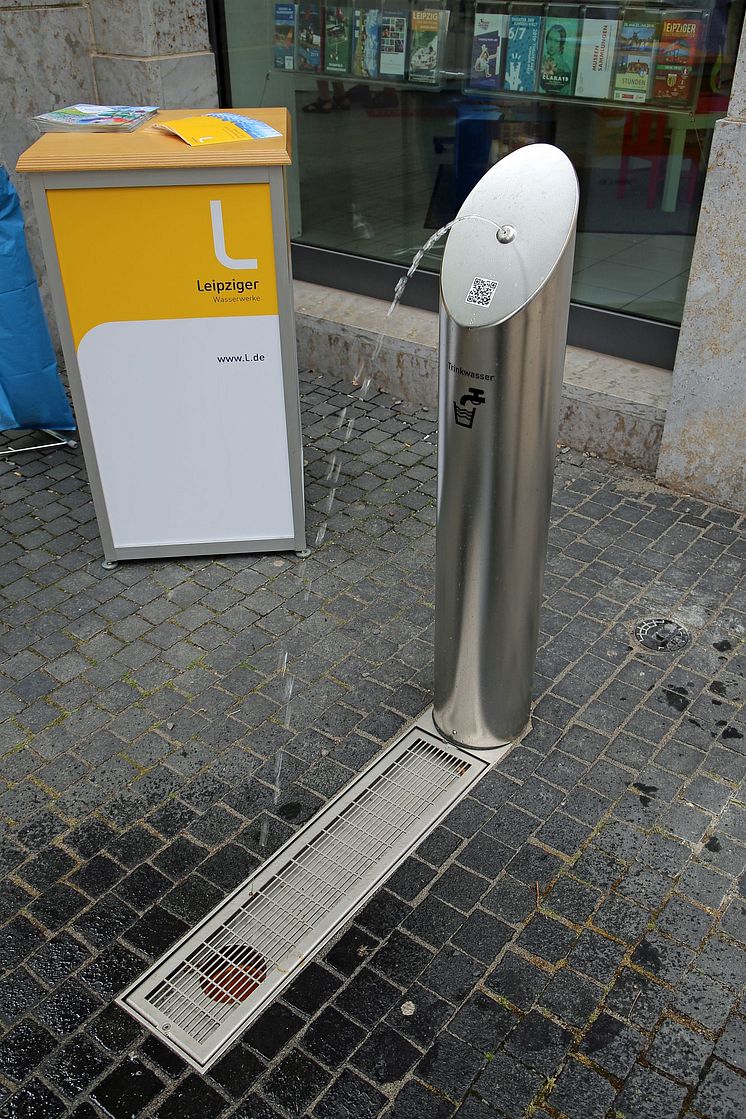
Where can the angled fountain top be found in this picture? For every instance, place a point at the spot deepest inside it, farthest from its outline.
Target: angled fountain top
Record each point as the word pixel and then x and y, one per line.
pixel 509 235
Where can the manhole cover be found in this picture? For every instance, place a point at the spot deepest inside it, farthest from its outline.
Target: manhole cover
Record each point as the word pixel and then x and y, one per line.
pixel 661 635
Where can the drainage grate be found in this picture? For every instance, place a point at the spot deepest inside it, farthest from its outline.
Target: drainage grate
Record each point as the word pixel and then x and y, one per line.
pixel 661 635
pixel 208 988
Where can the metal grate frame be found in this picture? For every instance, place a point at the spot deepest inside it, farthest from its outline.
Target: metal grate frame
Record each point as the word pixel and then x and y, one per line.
pixel 211 985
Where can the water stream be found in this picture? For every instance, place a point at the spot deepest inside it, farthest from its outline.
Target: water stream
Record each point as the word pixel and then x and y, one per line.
pixel 362 382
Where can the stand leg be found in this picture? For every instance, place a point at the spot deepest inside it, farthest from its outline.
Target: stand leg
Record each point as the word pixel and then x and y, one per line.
pixel 66 439
pixel 60 441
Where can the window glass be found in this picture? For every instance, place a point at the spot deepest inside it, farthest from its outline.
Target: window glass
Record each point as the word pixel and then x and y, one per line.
pixel 399 108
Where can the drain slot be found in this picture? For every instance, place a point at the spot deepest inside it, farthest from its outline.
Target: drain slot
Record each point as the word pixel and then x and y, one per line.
pixel 233 974
pixel 203 993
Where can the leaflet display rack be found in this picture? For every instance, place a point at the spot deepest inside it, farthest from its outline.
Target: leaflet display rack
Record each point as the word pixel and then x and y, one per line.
pixel 169 267
pixel 642 54
pixel 399 43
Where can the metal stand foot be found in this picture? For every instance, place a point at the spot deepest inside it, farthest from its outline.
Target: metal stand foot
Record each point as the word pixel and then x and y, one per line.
pixel 304 554
pixel 69 441
pixel 60 440
pixel 110 565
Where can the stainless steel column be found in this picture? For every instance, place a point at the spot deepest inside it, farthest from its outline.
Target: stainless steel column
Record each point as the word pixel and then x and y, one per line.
pixel 505 293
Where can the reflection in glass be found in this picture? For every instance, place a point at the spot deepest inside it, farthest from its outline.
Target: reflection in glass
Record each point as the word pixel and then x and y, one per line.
pixel 399 108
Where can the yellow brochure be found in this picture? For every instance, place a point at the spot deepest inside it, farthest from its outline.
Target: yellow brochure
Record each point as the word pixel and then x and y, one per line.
pixel 214 128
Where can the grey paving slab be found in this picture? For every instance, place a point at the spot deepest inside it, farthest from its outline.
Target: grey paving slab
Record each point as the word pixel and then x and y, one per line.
pixel 569 943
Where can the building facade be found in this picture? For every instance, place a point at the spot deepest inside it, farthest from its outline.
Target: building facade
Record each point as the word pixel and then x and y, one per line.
pixel 97 51
pixel 399 106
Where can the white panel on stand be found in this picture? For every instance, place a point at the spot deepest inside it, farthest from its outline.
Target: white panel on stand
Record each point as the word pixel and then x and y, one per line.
pixel 189 415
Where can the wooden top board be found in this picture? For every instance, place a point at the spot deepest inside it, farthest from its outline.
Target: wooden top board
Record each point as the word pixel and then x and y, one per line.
pixel 149 147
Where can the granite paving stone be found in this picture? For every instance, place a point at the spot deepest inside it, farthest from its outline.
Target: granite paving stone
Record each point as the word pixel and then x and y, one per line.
pixel 508 1085
pixel 350 1095
pixel 452 974
pixel 648 1095
pixel 721 1093
pixel 425 1021
pixel 385 1056
pixel 570 997
pixel 517 981
pixel 401 958
pixel 294 1082
pixel 450 1066
pixel 679 1051
pixel 731 1046
pixel 416 1101
pixel 483 1022
pixel 569 943
pixel 703 999
pixel 331 1037
pixel 596 956
pixel 539 1042
pixel 512 900
pixel 581 1092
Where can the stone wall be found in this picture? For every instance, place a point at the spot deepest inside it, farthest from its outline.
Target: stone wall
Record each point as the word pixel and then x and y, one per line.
pixel 703 450
pixel 46 61
pixel 153 52
pixel 110 51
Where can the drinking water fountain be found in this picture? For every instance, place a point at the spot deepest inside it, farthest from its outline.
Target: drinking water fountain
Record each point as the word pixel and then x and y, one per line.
pixel 504 304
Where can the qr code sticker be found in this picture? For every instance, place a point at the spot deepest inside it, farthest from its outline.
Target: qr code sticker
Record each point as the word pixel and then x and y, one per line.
pixel 481 292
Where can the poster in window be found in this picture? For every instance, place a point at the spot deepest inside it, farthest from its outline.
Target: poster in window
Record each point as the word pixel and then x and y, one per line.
pixel 285 20
pixel 309 37
pixel 488 47
pixel 596 54
pixel 394 27
pixel 678 57
pixel 367 42
pixel 559 50
pixel 522 55
pixel 428 32
pixel 337 39
pixel 638 38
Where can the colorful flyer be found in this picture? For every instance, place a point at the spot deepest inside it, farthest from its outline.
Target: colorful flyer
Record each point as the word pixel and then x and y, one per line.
pixel 678 58
pixel 393 44
pixel 522 56
pixel 95 118
pixel 638 39
pixel 367 42
pixel 285 21
pixel 424 53
pixel 596 56
pixel 338 39
pixel 309 37
pixel 488 47
pixel 559 51
pixel 217 128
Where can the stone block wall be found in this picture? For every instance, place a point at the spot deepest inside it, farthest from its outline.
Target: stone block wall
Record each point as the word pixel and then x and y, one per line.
pixel 46 62
pixel 108 51
pixel 153 52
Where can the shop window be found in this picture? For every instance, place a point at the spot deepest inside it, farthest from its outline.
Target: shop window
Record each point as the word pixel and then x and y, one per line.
pixel 399 108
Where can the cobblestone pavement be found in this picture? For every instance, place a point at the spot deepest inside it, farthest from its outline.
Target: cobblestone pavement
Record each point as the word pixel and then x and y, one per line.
pixel 573 939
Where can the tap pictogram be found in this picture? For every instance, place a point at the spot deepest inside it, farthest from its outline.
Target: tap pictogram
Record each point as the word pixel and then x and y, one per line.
pixel 465 409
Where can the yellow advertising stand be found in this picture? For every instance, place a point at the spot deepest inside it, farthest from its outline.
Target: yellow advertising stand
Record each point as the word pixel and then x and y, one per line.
pixel 170 274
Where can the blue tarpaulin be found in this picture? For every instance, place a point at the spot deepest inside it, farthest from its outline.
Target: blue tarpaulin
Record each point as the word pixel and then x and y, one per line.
pixel 31 393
